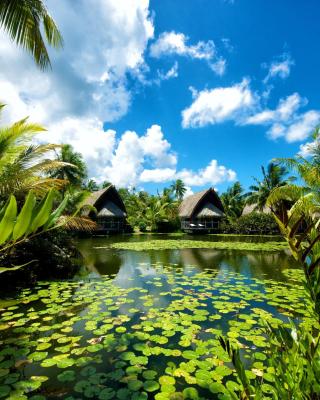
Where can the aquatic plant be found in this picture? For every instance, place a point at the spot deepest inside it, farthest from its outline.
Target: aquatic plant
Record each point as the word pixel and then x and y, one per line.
pixel 198 244
pixel 160 339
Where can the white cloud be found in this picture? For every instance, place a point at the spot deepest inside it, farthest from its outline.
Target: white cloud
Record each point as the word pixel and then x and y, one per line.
pixel 89 75
pixel 285 121
pixel 280 68
pixel 188 192
pixel 284 111
pixel 217 105
pixel 211 175
pixel 173 43
pixel 157 175
pixel 132 158
pixel 219 67
pixel 171 73
pixel 303 126
pixel 176 43
pixel 87 137
pixel 133 153
pixel 307 149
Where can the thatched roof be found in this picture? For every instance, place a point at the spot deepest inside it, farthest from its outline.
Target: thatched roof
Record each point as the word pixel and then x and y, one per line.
pixel 209 210
pixel 249 208
pixel 107 202
pixel 202 204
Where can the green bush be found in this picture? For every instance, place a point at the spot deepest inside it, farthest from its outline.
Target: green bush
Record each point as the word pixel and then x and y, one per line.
pixel 252 224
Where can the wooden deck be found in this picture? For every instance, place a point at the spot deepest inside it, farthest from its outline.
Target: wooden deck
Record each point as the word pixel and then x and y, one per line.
pixel 202 226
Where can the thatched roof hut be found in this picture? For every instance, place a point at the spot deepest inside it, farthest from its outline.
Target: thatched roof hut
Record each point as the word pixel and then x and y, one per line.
pixel 250 208
pixel 201 211
pixel 110 211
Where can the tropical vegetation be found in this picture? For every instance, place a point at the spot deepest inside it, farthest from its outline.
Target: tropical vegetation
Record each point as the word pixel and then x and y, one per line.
pixel 27 22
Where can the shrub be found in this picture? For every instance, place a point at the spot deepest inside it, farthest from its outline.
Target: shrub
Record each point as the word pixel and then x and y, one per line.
pixel 252 224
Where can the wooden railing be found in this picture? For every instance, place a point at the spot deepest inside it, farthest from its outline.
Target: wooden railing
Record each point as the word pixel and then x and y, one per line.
pixel 200 225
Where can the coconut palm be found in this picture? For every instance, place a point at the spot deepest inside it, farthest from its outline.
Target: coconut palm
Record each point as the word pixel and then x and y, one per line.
pixel 26 21
pixel 74 170
pixel 233 201
pixel 91 185
pixel 23 165
pixel 273 177
pixel 307 168
pixel 179 189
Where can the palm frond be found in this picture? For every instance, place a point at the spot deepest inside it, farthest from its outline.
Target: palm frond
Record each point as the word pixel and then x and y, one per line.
pixel 22 19
pixel 75 223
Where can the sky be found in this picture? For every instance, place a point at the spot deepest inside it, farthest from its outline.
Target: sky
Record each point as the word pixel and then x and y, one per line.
pixel 205 91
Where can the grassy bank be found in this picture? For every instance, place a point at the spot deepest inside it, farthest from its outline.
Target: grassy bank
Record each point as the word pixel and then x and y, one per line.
pixel 198 244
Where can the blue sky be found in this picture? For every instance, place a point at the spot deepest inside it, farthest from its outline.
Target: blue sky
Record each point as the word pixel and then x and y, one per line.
pixel 203 90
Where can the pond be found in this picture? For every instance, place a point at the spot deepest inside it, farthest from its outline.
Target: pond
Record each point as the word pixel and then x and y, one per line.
pixel 146 325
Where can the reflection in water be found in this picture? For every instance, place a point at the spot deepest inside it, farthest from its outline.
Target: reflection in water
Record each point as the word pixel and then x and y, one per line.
pixel 130 266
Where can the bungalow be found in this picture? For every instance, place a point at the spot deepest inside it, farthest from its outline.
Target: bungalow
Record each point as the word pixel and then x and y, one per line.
pixel 110 212
pixel 201 212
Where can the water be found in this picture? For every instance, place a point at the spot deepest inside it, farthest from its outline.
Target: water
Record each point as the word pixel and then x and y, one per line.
pixel 145 325
pixel 99 261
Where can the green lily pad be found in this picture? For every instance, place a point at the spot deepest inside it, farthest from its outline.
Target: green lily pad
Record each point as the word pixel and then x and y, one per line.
pixel 151 386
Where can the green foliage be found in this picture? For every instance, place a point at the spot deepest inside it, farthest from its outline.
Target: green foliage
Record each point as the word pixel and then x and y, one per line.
pixel 25 21
pixel 179 189
pixel 91 186
pixel 294 360
pixel 23 165
pixel 153 213
pixel 233 201
pixel 74 170
pixel 273 177
pixel 32 217
pixel 253 223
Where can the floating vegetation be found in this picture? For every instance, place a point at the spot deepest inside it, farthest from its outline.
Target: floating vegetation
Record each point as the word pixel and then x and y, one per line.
pixel 198 244
pixel 158 340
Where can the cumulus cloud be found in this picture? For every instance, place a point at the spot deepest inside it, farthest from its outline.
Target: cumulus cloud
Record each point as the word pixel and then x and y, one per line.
pixel 280 68
pixel 284 111
pixel 303 126
pixel 211 175
pixel 130 159
pixel 188 192
pixel 285 121
pixel 157 175
pixel 89 76
pixel 174 43
pixel 217 105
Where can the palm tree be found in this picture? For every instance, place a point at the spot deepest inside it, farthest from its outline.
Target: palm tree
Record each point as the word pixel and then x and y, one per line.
pixel 273 177
pixel 74 170
pixel 179 189
pixel 233 201
pixel 24 21
pixel 91 186
pixel 307 168
pixel 23 166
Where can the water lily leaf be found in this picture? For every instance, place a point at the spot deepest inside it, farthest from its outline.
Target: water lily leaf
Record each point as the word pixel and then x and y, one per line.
pixel 151 386
pixel 4 390
pixel 67 376
pixel 107 394
pixel 166 380
pixel 134 385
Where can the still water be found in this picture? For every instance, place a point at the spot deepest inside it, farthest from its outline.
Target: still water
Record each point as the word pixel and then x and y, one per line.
pixel 259 264
pixel 146 325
